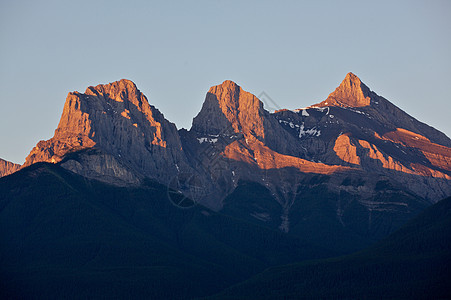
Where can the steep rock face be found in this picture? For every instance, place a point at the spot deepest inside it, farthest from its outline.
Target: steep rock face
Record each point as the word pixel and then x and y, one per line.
pixel 345 150
pixel 117 120
pixel 7 167
pixel 228 109
pixel 95 164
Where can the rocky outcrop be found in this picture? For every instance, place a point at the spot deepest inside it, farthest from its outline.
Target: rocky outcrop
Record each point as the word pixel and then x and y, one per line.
pixel 227 106
pixel 95 164
pixel 7 167
pixel 346 151
pixel 118 121
pixel 228 109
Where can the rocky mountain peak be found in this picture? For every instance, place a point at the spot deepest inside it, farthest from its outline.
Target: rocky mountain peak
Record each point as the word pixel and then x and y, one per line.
pixel 228 106
pixel 352 92
pixel 117 120
pixel 120 91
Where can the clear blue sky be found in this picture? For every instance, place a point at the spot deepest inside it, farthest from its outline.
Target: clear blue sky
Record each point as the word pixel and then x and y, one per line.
pixel 295 51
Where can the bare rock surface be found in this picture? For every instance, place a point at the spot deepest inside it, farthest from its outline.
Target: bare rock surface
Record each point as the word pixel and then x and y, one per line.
pixel 118 120
pixel 7 167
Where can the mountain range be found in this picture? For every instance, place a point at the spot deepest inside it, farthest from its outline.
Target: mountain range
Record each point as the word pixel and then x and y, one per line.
pixel 234 138
pixel 355 146
pixel 119 188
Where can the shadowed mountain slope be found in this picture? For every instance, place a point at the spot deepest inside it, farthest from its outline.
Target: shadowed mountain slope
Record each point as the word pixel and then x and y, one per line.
pixel 62 235
pixel 412 263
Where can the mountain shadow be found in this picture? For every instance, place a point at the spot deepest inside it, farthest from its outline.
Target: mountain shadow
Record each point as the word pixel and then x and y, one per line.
pixel 412 263
pixel 66 236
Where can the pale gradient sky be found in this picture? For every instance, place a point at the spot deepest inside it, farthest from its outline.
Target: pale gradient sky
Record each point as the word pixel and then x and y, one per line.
pixel 295 51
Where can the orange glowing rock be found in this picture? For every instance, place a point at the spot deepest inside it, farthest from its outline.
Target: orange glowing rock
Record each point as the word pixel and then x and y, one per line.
pixel 387 161
pixel 256 153
pixel 7 167
pixel 351 92
pixel 110 117
pixel 345 150
pixel 438 155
